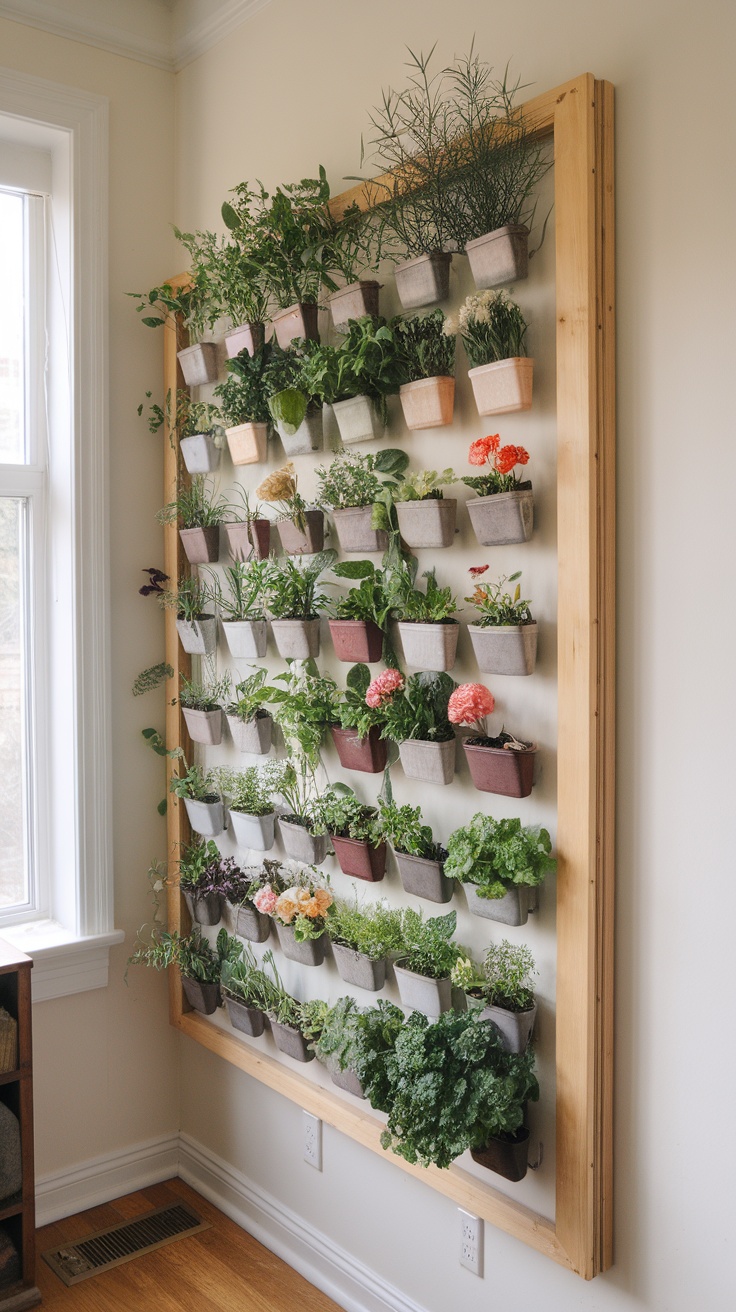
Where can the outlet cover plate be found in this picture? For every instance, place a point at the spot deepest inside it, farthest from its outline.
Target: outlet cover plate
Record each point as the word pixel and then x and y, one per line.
pixel 312 1140
pixel 471 1242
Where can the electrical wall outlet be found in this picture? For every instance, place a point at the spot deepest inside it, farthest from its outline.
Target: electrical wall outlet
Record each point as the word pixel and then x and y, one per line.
pixel 312 1140
pixel 471 1242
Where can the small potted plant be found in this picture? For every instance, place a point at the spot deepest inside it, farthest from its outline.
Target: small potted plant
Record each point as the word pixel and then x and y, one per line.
pixel 249 534
pixel 355 832
pixel 356 377
pixel 239 888
pixel 202 875
pixel 199 517
pixel 304 706
pixel 427 353
pixel 302 829
pixel 505 637
pixel 291 1021
pixel 350 486
pixel 359 618
pixel 363 935
pixel 199 965
pixel 354 250
pixel 243 294
pixel 250 795
pixel 357 736
pixel 301 529
pixel 413 713
pixel 503 511
pixel 493 330
pixel 201 705
pixel 197 628
pixel 199 791
pixel 248 992
pixel 242 609
pixel 426 517
pixel 295 411
pixel 498 764
pixel 300 913
pixel 501 865
pixel 197 426
pixel 244 404
pixel 335 1040
pixel 295 604
pixel 427 625
pixel 424 975
pixel 250 724
pixel 199 307
pixel 504 988
pixel 420 859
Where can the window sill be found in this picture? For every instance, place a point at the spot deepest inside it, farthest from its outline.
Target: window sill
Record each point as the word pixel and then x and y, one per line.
pixel 62 963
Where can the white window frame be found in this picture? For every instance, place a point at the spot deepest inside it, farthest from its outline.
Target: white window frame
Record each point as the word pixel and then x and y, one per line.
pixel 70 942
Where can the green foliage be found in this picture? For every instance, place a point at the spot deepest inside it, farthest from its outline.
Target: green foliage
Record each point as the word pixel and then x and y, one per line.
pixel 377 1031
pixel 352 480
pixel 152 678
pixel 251 696
pixel 366 363
pixel 355 246
pixel 291 589
pixel 304 707
pixel 403 827
pixel 245 583
pixel 429 950
pixel 196 783
pixel 498 607
pixel 202 868
pixel 508 969
pixel 191 953
pixel 197 304
pixel 189 418
pixel 252 790
pixel 419 709
pixel 351 708
pixel 373 928
pixel 425 485
pixel 426 347
pixel 245 981
pixel 191 599
pixel 435 605
pixel 498 854
pixel 158 745
pixel 244 394
pixel 197 695
pixel 492 328
pixel 283 1008
pixel 335 1034
pixel 368 601
pixel 347 817
pixel 195 507
pixel 285 237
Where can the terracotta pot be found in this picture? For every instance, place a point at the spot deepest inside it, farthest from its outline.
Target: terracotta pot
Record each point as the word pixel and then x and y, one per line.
pixel 432 762
pixel 249 1020
pixel 503 385
pixel 429 646
pixel 298 320
pixel 354 301
pixel 365 754
pixel 308 543
pixel 507 1157
pixel 499 770
pixel 200 453
pixel 248 443
pixel 423 280
pixel 424 878
pixel 356 641
pixel 254 736
pixel 296 640
pixel 203 997
pixel 245 337
pixel 198 363
pixel 205 908
pixel 291 1041
pixel 198 637
pixel 358 420
pixel 246 639
pixel 359 859
pixel 309 436
pixel 354 531
pixel 511 909
pixel 348 1081
pixel 300 845
pixel 309 953
pixel 428 402
pixel 248 922
pixel 204 726
pixel 255 832
pixel 246 540
pixel 500 256
pixel 514 1027
pixel 358 969
pixel 205 818
pixel 504 648
pixel 420 993
pixel 503 517
pixel 429 523
pixel 201 545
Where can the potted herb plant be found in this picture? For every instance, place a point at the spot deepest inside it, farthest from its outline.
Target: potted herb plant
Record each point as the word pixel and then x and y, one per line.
pixel 250 724
pixel 242 609
pixel 295 604
pixel 419 858
pixel 202 872
pixel 504 987
pixel 505 637
pixel 199 517
pixel 248 993
pixel 199 965
pixel 501 865
pixel 249 534
pixel 354 250
pixel 300 914
pixel 426 517
pixel 244 404
pixel 199 308
pixel 303 709
pixel 427 353
pixel 413 712
pixel 427 625
pixel 243 294
pixel 357 736
pixel 363 935
pixel 503 511
pixel 197 628
pixel 359 618
pixel 302 531
pixel 199 791
pixel 239 887
pixel 296 412
pixel 201 705
pixel 355 833
pixel 356 377
pixel 493 330
pixel 424 974
pixel 498 764
pixel 335 1041
pixel 350 486
pixel 197 426
pixel 250 795
pixel 291 1021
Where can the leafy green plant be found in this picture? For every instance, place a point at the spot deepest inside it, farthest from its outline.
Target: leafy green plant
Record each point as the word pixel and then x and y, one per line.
pixel 152 678
pixel 304 707
pixel 244 394
pixel 354 248
pixel 373 929
pixel 492 327
pixel 251 696
pixel 291 590
pixel 351 709
pixel 424 485
pixel 426 345
pixel 197 305
pixel 355 478
pixel 334 1033
pixel 195 507
pixel 252 790
pixel 195 783
pixel 496 606
pixel 242 293
pixel 191 953
pixel 508 969
pixel 203 869
pixel 415 707
pixel 190 601
pixel 282 1007
pixel 498 854
pixel 347 817
pixel 368 601
pixel 435 605
pixel 403 827
pixel 187 418
pixel 245 981
pixel 429 949
pixel 245 583
pixel 197 695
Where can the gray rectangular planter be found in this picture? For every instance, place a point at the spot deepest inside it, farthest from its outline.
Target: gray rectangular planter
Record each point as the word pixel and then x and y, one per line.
pixel 429 646
pixel 354 301
pixel 500 256
pixel 511 909
pixel 248 922
pixel 348 1081
pixel 309 953
pixel 201 545
pixel 256 832
pixel 198 637
pixel 515 1027
pixel 358 969
pixel 249 1020
pixel 291 1041
pixel 420 993
pixel 358 420
pixel 432 762
pixel 309 436
pixel 204 726
pixel 246 638
pixel 202 996
pixel 249 539
pixel 205 908
pixel 252 736
pixel 300 845
pixel 296 640
pixel 423 280
pixel 424 878
pixel 308 542
pixel 200 453
pixel 205 818
pixel 502 518
pixel 429 523
pixel 198 363
pixel 504 648
pixel 354 531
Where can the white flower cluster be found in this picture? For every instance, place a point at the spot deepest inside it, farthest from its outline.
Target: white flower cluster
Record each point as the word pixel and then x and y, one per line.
pixel 477 307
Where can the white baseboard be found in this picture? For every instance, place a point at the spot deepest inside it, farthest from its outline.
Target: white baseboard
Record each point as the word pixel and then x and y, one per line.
pixel 100 1179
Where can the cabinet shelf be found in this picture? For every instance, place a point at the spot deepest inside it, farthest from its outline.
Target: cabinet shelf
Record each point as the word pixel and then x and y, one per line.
pixel 17 1213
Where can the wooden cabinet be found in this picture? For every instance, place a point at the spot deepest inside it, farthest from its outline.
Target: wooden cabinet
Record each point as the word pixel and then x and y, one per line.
pixel 17 1213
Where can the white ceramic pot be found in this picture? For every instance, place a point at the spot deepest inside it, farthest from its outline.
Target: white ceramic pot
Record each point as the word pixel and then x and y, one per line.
pixel 256 832
pixel 500 256
pixel 200 453
pixel 204 726
pixel 309 436
pixel 428 523
pixel 354 301
pixel 424 280
pixel 429 646
pixel 502 518
pixel 503 386
pixel 296 640
pixel 198 637
pixel 420 993
pixel 246 638
pixel 205 818
pixel 504 648
pixel 358 420
pixel 355 531
pixel 432 762
pixel 248 443
pixel 252 736
pixel 198 363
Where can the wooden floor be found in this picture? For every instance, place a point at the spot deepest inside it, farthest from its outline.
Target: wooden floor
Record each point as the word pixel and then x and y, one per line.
pixel 218 1270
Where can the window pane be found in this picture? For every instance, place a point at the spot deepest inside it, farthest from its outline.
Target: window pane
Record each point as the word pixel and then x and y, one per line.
pixel 14 854
pixel 12 328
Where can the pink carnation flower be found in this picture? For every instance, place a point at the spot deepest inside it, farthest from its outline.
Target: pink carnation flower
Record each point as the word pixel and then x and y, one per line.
pixel 470 703
pixel 383 687
pixel 265 900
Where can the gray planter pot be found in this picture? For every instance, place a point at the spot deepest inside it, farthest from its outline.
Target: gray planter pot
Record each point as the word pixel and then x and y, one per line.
pixel 245 337
pixel 515 1027
pixel 309 953
pixel 511 909
pixel 200 453
pixel 358 969
pixel 424 878
pixel 298 320
pixel 358 420
pixel 432 762
pixel 500 256
pixel 205 818
pixel 429 646
pixel 247 922
pixel 353 301
pixel 296 542
pixel 204 726
pixel 291 1041
pixel 348 1081
pixel 420 993
pixel 249 1020
pixel 201 545
pixel 203 997
pixel 423 280
pixel 252 736
pixel 354 531
pixel 198 637
pixel 504 648
pixel 309 436
pixel 246 638
pixel 300 845
pixel 256 832
pixel 205 909
pixel 296 640
pixel 503 386
pixel 429 523
pixel 198 363
pixel 502 518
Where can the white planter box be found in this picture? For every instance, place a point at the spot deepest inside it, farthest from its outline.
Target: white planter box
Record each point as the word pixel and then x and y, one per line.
pixel 198 637
pixel 358 420
pixel 429 646
pixel 246 638
pixel 200 453
pixel 253 831
pixel 206 818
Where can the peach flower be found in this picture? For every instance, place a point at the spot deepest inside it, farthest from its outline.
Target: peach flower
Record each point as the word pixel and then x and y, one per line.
pixel 287 907
pixel 382 687
pixel 265 900
pixel 470 703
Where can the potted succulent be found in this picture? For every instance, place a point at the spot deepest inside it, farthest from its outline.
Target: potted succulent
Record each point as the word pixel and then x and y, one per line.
pixel 199 517
pixel 349 488
pixel 196 425
pixel 427 353
pixel 357 735
pixel 420 859
pixel 359 618
pixel 354 250
pixel 295 604
pixel 300 913
pixel 198 306
pixel 501 865
pixel 242 609
pixel 424 975
pixel 198 963
pixel 334 1038
pixel 355 832
pixel 202 876
pixel 296 411
pixel 201 705
pixel 503 511
pixel 249 794
pixel 498 764
pixel 199 791
pixel 197 628
pixel 249 535
pixel 413 713
pixel 493 330
pixel 250 724
pixel 427 625
pixel 291 1021
pixel 248 993
pixel 301 529
pixel 504 988
pixel 505 637
pixel 363 935
pixel 426 517
pixel 243 293
pixel 244 404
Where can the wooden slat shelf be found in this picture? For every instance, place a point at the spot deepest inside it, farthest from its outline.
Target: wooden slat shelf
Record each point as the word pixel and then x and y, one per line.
pixel 11 1207
pixel 8 1077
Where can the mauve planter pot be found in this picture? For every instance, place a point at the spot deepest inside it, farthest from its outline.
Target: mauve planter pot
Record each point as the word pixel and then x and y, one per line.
pixel 500 770
pixel 354 301
pixel 502 518
pixel 205 908
pixel 249 1020
pixel 423 280
pixel 354 531
pixel 245 337
pixel 198 363
pixel 432 762
pixel 504 648
pixel 500 256
pixel 348 1081
pixel 503 386
pixel 358 420
pixel 246 540
pixel 515 1027
pixel 298 320
pixel 308 543
pixel 198 637
pixel 429 646
pixel 201 545
pixel 248 443
pixel 200 453
pixel 368 755
pixel 296 640
pixel 204 726
pixel 511 909
pixel 309 436
pixel 309 953
pixel 291 1041
pixel 356 641
pixel 203 997
pixel 300 845
pixel 253 831
pixel 420 993
pixel 507 1157
pixel 429 523
pixel 358 969
pixel 254 736
pixel 359 859
pixel 428 402
pixel 424 878
pixel 248 922
pixel 246 638
pixel 205 818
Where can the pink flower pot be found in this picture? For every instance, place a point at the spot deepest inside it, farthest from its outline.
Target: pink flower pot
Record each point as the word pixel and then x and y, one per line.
pixel 245 337
pixel 201 545
pixel 298 320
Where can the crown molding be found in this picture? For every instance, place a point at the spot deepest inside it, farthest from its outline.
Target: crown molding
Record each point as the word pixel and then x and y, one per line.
pixel 197 39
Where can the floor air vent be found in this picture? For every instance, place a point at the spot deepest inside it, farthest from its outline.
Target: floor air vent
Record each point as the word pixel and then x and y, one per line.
pixel 108 1248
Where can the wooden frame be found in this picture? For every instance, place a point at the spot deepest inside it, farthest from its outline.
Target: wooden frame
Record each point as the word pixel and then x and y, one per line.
pixel 579 117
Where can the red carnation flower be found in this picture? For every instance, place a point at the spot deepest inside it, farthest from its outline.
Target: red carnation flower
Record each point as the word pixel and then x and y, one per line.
pixel 522 455
pixel 470 703
pixel 507 457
